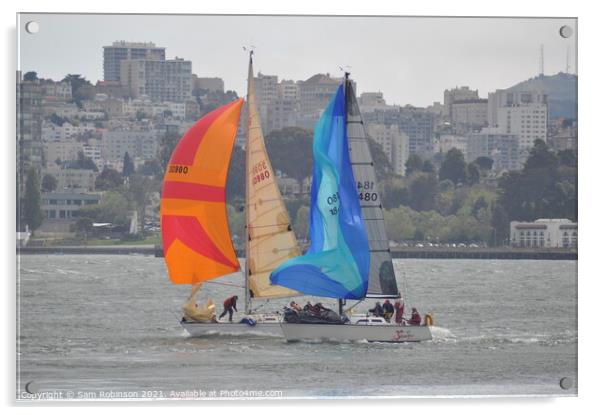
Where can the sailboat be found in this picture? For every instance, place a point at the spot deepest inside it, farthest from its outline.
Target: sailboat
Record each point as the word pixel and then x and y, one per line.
pixel 349 256
pixel 196 237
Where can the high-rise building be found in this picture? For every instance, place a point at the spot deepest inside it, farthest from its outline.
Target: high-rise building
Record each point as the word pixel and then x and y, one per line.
pixel 522 113
pixel 315 93
pixel 208 84
pixel 30 152
pixel 119 51
pixel 457 94
pixel 468 115
pixel 161 80
pixel 395 144
pixel 417 123
pixel 502 148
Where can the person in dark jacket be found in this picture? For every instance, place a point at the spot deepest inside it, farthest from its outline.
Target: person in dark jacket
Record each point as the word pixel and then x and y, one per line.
pixel 229 304
pixel 388 310
pixel 415 320
pixel 399 306
pixel 377 310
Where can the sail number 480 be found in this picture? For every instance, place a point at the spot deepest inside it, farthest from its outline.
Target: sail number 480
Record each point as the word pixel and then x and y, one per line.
pixel 364 193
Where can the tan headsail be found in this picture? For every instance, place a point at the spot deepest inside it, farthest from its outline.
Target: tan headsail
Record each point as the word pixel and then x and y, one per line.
pixel 271 239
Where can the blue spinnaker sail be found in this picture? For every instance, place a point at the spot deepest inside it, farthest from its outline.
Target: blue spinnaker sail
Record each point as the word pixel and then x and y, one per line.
pixel 337 262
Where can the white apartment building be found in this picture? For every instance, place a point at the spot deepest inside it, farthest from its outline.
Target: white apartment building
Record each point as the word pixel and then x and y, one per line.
pixel 523 113
pixel 65 132
pixel 141 144
pixel 544 233
pixel 161 80
pixel 93 150
pixel 61 150
pixel 395 144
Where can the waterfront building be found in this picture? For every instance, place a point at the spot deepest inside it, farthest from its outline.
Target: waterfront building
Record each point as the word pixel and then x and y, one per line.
pixel 544 233
pixel 62 205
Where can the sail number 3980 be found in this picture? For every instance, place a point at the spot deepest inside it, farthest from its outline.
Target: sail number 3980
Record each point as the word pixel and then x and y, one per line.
pixel 260 172
pixel 175 168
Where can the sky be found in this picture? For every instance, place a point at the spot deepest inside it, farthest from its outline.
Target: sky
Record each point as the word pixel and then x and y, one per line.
pixel 412 60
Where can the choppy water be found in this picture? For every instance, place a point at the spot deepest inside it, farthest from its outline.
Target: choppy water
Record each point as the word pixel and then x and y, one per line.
pixel 92 326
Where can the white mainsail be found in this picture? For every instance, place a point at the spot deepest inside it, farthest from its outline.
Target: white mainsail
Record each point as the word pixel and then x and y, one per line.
pixel 271 239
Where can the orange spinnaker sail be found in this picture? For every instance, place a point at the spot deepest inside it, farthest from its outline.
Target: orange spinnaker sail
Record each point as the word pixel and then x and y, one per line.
pixel 194 224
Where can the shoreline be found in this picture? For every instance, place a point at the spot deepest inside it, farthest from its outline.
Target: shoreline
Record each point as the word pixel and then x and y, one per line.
pixel 406 252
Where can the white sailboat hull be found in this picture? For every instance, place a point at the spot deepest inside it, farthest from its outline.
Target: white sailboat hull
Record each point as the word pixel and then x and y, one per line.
pixel 271 329
pixel 356 332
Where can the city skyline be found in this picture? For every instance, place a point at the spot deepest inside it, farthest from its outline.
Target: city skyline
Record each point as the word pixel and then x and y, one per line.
pixel 438 53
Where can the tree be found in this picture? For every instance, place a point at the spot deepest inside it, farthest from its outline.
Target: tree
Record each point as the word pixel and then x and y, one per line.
pixel 472 174
pixel 30 76
pixel 540 157
pixel 81 88
pixel 484 163
pixel 150 168
pixel 83 162
pixel 453 167
pixel 84 226
pixel 290 151
pixel 128 165
pixel 168 143
pixel 428 167
pixel 108 179
pixel 567 158
pixel 57 119
pixel 49 183
pixel 32 201
pixel 382 166
pixel 422 192
pixel 413 164
pixel 140 188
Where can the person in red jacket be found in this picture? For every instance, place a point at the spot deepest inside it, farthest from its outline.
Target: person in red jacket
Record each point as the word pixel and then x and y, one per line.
pixel 415 320
pixel 229 304
pixel 398 312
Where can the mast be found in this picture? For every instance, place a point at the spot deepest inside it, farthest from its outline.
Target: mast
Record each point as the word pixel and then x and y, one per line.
pixel 247 155
pixel 341 301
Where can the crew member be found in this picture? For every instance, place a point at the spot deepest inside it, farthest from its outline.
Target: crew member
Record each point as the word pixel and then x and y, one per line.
pixel 377 310
pixel 399 306
pixel 388 310
pixel 415 320
pixel 229 304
